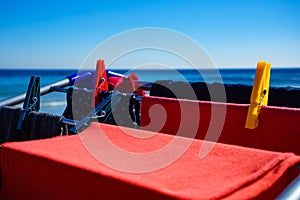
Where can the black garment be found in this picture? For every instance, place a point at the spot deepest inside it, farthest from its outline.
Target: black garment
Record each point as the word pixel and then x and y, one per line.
pixel 122 109
pixel 35 126
pixel 79 103
pixel 44 125
pixel 235 93
pixel 9 118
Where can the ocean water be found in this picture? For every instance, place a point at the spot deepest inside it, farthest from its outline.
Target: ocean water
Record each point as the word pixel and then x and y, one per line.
pixel 15 82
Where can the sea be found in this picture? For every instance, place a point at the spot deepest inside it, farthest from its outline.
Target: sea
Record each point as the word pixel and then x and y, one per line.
pixel 15 81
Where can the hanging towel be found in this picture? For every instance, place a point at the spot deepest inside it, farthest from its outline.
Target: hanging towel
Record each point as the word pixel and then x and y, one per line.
pixel 9 118
pixel 44 125
pixel 235 93
pixel 278 128
pixel 125 84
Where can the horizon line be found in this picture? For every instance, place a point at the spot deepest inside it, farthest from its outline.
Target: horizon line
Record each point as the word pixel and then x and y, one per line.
pixel 127 68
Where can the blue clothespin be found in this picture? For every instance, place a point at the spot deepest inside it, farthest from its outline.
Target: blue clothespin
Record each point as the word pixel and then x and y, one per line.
pixel 32 100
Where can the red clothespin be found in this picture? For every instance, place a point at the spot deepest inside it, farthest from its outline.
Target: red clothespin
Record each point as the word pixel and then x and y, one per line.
pixel 100 81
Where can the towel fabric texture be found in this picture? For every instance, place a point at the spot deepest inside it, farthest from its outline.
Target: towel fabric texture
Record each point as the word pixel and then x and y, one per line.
pixel 62 168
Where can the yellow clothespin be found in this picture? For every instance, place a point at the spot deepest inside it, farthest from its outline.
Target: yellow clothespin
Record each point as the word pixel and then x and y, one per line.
pixel 260 92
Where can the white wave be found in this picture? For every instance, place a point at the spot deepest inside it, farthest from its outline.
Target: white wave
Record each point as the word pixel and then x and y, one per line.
pixel 295 86
pixel 53 103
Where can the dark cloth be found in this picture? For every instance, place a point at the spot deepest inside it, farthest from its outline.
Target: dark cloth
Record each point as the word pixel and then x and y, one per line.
pixel 44 125
pixel 79 103
pixel 35 126
pixel 235 93
pixel 122 109
pixel 9 118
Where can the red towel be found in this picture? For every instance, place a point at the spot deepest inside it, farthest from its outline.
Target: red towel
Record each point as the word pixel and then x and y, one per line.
pixel 125 84
pixel 278 128
pixel 62 168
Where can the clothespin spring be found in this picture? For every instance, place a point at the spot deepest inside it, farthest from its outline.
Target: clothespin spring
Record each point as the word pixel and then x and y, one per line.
pixel 261 100
pixel 35 101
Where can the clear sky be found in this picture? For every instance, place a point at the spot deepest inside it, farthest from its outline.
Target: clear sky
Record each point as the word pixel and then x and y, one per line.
pixel 60 34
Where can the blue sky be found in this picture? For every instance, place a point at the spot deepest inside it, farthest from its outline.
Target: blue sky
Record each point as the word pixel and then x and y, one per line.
pixel 60 34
